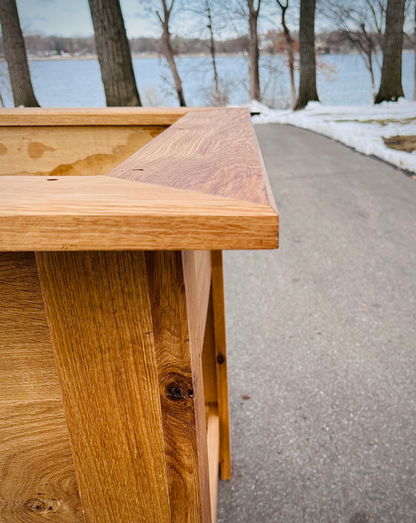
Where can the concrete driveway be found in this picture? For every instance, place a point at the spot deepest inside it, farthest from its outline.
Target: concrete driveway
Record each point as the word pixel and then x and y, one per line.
pixel 322 337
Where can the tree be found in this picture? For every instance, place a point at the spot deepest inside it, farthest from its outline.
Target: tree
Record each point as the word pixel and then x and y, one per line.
pixel 206 12
pixel 307 84
pixel 362 25
pixel 168 50
pixel 253 49
pixel 114 53
pixel 391 88
pixel 15 52
pixel 213 54
pixel 290 49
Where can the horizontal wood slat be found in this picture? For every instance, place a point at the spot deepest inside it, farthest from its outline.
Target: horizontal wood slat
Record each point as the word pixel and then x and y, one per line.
pixel 95 116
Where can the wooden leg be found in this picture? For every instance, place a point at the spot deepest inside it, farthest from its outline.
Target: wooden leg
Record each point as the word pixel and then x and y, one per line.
pixel 127 344
pixel 99 314
pixel 175 308
pixel 220 343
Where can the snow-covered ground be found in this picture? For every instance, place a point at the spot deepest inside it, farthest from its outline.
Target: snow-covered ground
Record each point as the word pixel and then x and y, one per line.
pixel 361 127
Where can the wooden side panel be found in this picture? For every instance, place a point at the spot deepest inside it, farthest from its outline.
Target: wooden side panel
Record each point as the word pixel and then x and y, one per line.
pixel 221 357
pixel 209 359
pixel 174 300
pixel 203 285
pixel 213 437
pixel 37 475
pixel 99 313
pixel 75 151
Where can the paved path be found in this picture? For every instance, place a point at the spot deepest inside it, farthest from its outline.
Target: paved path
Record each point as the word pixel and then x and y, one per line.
pixel 322 337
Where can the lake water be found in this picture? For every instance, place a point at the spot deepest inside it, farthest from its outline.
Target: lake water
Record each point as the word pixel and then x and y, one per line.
pixel 342 80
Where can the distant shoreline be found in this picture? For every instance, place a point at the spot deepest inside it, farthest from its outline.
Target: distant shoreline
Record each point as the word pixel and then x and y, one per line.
pixel 154 55
pixel 190 55
pixel 134 56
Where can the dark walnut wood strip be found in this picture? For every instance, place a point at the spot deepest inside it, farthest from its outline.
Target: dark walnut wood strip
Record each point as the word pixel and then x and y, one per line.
pixel 99 313
pixel 37 473
pixel 214 152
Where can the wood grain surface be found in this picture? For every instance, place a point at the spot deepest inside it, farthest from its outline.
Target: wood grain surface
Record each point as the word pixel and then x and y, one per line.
pixel 37 474
pixel 209 357
pixel 220 341
pixel 214 153
pixel 92 212
pixel 201 184
pixel 203 285
pixel 213 438
pixel 99 314
pixel 175 318
pixel 28 116
pixel 69 150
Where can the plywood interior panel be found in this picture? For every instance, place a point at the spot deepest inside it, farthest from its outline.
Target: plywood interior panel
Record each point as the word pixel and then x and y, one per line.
pixel 70 150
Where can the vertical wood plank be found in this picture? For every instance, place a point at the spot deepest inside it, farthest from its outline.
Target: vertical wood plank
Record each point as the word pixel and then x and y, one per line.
pixel 209 359
pixel 99 314
pixel 37 474
pixel 191 292
pixel 213 437
pixel 174 299
pixel 203 285
pixel 221 358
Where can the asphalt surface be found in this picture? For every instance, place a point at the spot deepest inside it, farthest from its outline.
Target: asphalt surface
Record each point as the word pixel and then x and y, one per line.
pixel 322 337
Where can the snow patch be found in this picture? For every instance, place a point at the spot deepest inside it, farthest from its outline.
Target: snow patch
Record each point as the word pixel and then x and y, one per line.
pixel 361 127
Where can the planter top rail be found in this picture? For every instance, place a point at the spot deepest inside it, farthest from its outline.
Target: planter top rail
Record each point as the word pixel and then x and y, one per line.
pixel 200 184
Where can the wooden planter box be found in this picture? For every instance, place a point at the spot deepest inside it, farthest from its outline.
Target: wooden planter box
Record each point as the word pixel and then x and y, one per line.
pixel 113 362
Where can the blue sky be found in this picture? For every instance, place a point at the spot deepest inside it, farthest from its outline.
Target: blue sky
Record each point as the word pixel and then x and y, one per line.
pixel 72 18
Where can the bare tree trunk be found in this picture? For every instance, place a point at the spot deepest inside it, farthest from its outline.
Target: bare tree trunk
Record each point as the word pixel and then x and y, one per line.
pixel 291 70
pixel 307 84
pixel 289 43
pixel 168 51
pixel 114 53
pixel 214 62
pixel 391 88
pixel 14 49
pixel 253 50
pixel 371 69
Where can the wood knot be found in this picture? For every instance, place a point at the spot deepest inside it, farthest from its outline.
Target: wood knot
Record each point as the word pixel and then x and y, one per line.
pixel 220 358
pixel 42 506
pixel 174 392
pixel 179 389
